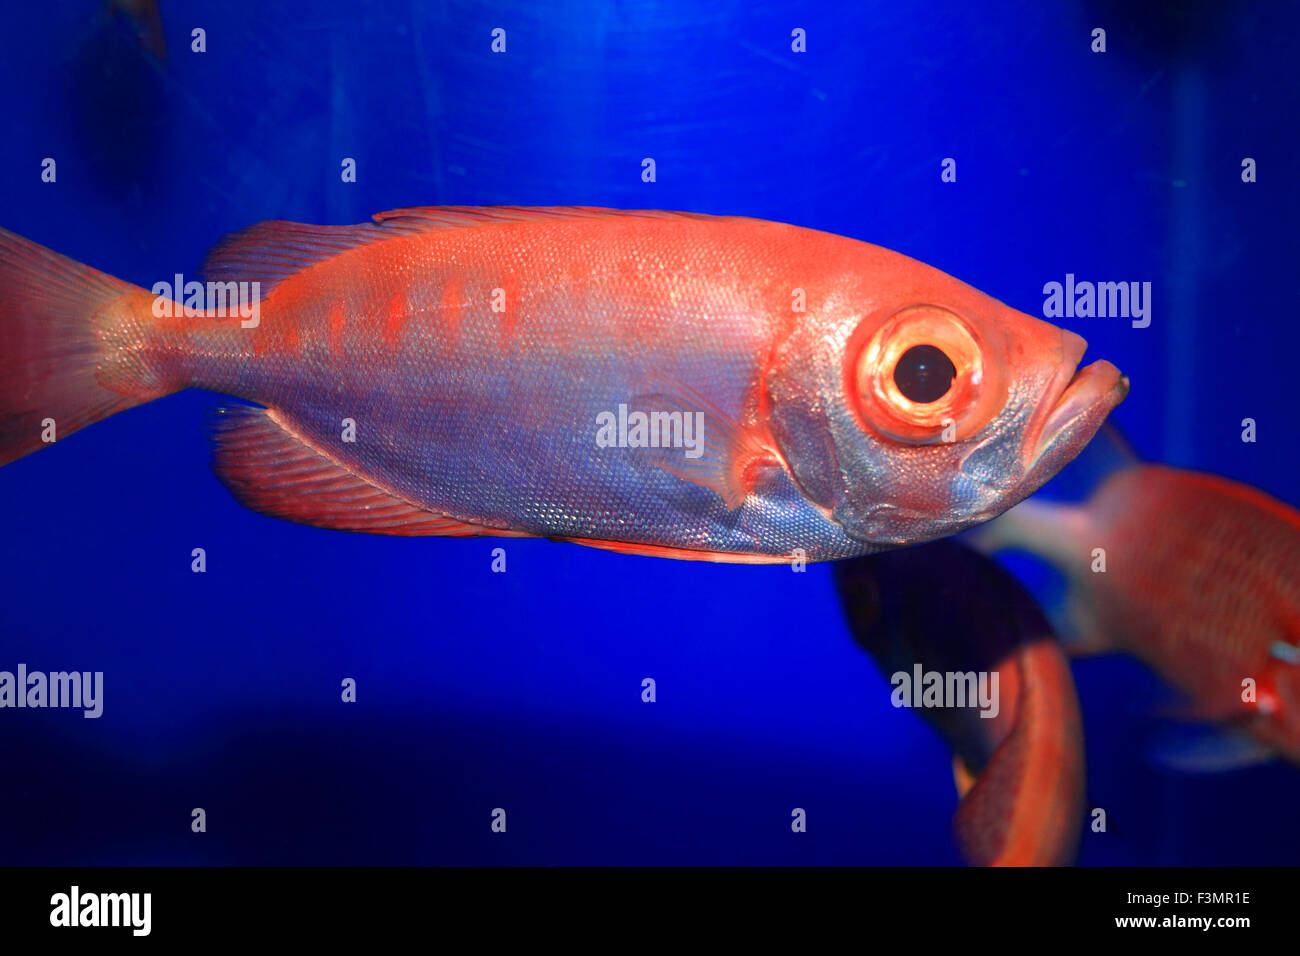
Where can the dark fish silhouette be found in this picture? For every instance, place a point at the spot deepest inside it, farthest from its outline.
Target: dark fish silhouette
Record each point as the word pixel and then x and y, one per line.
pixel 1020 773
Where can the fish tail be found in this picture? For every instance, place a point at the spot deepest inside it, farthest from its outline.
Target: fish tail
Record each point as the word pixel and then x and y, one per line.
pixel 69 355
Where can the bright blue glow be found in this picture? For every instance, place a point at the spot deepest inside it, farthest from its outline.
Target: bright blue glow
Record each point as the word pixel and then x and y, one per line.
pixel 522 690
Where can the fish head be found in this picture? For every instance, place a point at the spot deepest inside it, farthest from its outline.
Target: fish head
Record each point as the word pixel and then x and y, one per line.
pixel 912 406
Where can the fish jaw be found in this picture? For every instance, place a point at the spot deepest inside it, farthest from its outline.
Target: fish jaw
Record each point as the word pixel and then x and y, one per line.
pixel 1058 410
pixel 1077 401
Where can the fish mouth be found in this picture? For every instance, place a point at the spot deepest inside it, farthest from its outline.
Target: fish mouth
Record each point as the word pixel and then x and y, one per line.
pixel 1088 396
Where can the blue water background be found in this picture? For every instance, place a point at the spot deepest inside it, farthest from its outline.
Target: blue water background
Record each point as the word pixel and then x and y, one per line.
pixel 522 690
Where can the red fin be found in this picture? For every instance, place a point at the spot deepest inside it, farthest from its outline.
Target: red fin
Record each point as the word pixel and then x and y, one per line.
pixel 425 218
pixel 270 251
pixel 271 471
pixel 680 554
pixel 730 452
pixel 56 319
pixel 273 250
pixel 1025 806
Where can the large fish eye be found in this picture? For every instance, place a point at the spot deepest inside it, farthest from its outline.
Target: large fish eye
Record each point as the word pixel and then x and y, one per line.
pixel 921 376
pixel 924 374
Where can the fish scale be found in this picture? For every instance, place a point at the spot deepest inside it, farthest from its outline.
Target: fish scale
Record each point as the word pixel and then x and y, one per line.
pixel 1232 551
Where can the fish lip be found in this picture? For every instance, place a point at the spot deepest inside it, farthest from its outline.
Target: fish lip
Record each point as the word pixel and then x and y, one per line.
pixel 1092 391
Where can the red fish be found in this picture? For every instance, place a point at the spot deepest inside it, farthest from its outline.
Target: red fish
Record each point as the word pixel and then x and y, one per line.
pixel 1019 767
pixel 1201 581
pixel 657 383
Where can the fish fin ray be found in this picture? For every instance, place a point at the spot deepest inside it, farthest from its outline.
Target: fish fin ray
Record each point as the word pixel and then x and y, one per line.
pixel 679 554
pixel 268 252
pixel 730 451
pixel 64 329
pixel 427 218
pixel 271 471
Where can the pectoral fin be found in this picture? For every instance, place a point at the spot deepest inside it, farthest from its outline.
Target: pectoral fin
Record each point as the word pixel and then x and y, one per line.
pixel 724 455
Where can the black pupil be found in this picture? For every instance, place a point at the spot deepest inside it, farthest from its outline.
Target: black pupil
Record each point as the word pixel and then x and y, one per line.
pixel 924 374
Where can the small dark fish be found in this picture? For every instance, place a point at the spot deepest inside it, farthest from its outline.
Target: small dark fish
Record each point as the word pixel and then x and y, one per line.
pixel 944 608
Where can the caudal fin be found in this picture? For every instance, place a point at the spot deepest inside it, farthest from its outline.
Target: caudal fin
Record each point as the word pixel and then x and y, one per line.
pixel 57 317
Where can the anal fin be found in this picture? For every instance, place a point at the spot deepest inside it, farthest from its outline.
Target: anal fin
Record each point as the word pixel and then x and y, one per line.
pixel 270 470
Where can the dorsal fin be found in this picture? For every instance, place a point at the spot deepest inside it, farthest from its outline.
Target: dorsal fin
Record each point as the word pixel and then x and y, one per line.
pixel 425 218
pixel 270 251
